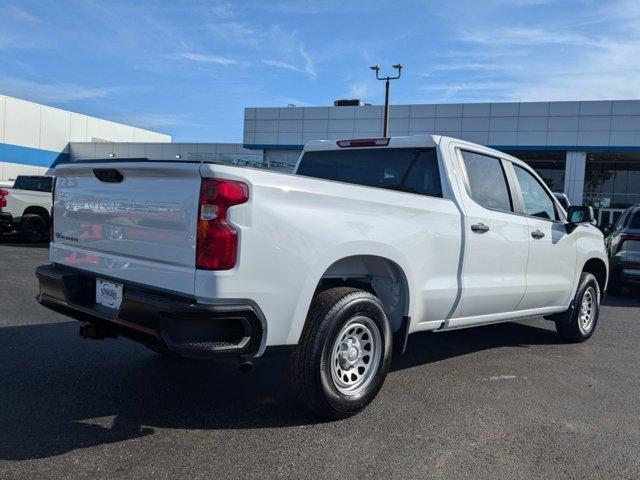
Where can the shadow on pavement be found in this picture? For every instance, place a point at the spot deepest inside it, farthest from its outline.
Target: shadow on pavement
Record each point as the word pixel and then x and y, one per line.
pixel 13 240
pixel 60 393
pixel 629 298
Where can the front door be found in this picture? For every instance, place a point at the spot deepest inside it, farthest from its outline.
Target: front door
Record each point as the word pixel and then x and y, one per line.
pixel 553 251
pixel 497 240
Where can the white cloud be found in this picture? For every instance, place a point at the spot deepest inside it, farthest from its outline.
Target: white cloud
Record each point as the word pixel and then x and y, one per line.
pixel 279 64
pixel 223 10
pixel 237 33
pixel 359 90
pixel 156 120
pixel 309 66
pixel 207 58
pixel 590 55
pixel 54 92
pixel 526 3
pixel 21 14
pixel 312 7
pixel 526 36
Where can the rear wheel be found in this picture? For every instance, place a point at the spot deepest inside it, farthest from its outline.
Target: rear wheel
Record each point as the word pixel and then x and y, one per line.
pixel 579 323
pixel 33 228
pixel 344 353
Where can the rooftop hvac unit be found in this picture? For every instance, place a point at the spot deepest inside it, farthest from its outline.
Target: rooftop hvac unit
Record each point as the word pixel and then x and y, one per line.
pixel 356 102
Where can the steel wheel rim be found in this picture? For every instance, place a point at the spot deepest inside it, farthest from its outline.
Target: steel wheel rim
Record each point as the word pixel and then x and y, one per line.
pixel 355 355
pixel 587 310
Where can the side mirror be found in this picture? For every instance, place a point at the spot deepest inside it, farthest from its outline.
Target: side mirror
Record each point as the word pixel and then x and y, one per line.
pixel 580 214
pixel 607 230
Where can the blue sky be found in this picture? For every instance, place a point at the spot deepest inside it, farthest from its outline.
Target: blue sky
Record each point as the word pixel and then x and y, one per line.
pixel 188 68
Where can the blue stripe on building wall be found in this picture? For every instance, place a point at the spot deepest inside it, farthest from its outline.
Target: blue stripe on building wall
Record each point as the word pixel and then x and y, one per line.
pixel 31 156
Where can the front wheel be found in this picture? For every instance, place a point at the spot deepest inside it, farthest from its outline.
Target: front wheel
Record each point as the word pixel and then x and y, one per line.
pixel 579 323
pixel 344 353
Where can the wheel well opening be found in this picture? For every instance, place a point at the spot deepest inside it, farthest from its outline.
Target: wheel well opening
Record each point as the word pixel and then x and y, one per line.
pixel 598 269
pixel 41 211
pixel 376 275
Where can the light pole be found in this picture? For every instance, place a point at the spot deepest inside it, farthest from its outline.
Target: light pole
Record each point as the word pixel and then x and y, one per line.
pixel 387 79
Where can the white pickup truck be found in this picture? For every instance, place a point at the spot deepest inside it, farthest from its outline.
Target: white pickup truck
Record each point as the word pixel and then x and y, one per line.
pixel 26 207
pixel 368 241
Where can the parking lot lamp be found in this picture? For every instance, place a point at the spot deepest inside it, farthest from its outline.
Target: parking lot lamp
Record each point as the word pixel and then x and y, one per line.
pixel 387 79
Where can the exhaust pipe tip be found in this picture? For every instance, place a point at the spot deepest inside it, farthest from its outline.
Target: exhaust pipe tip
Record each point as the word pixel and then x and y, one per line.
pixel 245 366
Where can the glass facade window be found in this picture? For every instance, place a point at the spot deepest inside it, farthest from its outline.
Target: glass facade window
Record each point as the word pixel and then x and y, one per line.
pixel 612 179
pixel 549 165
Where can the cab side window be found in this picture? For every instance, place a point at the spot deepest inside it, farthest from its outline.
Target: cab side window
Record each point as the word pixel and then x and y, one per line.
pixel 487 181
pixel 537 202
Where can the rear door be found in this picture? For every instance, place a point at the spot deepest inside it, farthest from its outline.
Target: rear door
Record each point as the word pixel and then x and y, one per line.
pixel 133 221
pixel 553 253
pixel 497 239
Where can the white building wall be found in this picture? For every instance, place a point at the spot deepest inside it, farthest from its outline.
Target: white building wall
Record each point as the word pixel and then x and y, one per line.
pixel 32 125
pixel 570 125
pixel 576 127
pixel 33 135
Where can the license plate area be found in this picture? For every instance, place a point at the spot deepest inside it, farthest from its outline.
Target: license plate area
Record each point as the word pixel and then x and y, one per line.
pixel 108 294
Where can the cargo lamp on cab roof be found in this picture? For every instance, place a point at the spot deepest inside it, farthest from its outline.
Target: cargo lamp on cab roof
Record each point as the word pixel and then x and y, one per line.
pixel 363 142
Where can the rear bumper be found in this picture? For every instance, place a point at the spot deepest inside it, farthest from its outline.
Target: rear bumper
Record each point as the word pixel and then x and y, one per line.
pixel 155 318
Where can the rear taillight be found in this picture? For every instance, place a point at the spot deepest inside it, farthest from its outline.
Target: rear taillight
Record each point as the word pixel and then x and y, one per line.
pixel 3 198
pixel 624 238
pixel 217 245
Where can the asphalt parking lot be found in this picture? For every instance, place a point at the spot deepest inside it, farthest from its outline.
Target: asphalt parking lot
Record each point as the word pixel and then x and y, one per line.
pixel 506 401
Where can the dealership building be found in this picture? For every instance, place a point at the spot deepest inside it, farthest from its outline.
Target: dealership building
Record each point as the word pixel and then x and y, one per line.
pixel 590 150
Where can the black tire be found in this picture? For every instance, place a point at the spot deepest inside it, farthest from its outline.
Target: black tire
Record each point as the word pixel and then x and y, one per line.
pixel 570 325
pixel 33 228
pixel 312 362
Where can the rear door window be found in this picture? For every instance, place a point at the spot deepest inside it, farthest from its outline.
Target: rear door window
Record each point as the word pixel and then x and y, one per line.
pixel 487 181
pixel 410 170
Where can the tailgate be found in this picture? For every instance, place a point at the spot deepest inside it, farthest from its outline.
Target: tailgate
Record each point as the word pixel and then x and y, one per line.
pixel 131 221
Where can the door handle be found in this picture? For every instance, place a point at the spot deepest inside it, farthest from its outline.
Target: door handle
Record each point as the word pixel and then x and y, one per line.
pixel 480 228
pixel 537 234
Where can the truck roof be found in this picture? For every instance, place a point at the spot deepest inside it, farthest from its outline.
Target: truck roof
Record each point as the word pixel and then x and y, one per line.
pixel 413 141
